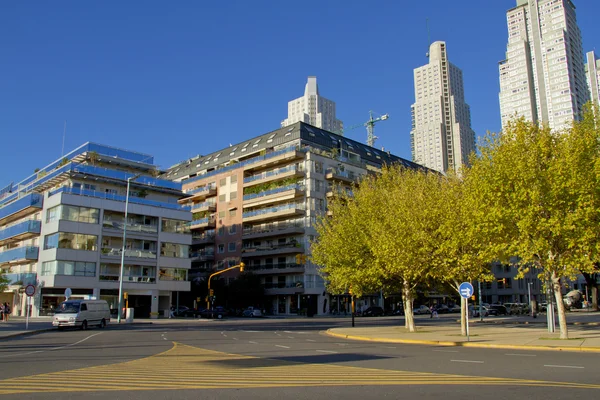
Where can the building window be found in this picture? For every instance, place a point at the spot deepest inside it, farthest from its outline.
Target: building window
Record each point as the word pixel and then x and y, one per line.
pixel 233 179
pixel 221 249
pixel 73 213
pixel 174 226
pixel 223 182
pixel 232 196
pixel 222 198
pixel 75 241
pixel 231 247
pixel 232 229
pixel 174 250
pixel 232 213
pixel 221 230
pixel 72 268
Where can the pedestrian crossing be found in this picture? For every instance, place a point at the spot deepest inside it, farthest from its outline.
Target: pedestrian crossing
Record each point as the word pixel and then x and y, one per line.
pixel 187 367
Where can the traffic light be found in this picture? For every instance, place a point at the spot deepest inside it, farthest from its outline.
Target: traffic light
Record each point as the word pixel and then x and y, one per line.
pixel 242 265
pixel 473 297
pixel 124 295
pixel 212 292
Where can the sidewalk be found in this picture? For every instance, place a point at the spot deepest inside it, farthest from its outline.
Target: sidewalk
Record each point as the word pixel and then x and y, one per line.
pixel 582 337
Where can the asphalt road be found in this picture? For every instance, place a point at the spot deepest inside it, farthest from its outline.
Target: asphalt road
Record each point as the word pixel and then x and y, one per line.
pixel 274 359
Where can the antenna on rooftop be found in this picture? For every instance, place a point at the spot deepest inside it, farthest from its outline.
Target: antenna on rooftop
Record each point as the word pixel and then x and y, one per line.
pixel 62 151
pixel 428 37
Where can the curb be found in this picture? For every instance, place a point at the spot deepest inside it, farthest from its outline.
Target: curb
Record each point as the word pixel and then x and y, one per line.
pixel 464 344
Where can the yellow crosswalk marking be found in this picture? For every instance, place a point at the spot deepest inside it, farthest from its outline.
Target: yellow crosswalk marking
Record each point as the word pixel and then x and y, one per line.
pixel 211 369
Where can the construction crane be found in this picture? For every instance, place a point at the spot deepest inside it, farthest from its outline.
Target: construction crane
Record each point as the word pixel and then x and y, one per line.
pixel 370 125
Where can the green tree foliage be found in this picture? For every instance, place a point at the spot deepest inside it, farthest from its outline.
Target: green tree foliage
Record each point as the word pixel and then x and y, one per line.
pixel 4 281
pixel 536 197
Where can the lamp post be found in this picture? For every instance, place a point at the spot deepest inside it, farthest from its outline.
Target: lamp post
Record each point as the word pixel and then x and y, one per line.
pixel 120 310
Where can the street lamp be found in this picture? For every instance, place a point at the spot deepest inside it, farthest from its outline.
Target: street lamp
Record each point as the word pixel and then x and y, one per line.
pixel 240 266
pixel 120 310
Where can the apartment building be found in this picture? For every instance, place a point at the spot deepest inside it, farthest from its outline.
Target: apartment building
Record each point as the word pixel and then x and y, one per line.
pixel 592 74
pixel 313 109
pixel 441 137
pixel 63 227
pixel 543 77
pixel 257 202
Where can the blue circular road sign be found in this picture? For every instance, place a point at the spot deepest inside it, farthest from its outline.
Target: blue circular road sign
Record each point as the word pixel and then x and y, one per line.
pixel 466 290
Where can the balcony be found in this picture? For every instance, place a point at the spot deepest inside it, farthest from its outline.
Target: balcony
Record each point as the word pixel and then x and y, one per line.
pixel 197 256
pixel 19 255
pixel 110 196
pixel 131 227
pixel 281 268
pixel 275 230
pixel 20 208
pixel 111 252
pixel 273 250
pixel 208 222
pixel 282 193
pixel 127 278
pixel 337 174
pixel 291 171
pixel 200 193
pixel 205 206
pixel 21 231
pixel 203 238
pixel 283 156
pixel 283 288
pixel 23 279
pixel 270 213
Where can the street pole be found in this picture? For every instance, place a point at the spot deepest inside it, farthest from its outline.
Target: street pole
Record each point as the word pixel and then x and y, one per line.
pixel 529 293
pixel 240 266
pixel 120 310
pixel 352 309
pixel 480 302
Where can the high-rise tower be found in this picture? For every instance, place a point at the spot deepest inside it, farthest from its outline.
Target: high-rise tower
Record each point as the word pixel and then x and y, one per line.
pixel 441 134
pixel 313 109
pixel 543 76
pixel 592 72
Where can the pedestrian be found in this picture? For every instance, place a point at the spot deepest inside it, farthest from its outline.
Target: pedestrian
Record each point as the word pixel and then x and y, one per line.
pixel 1 312
pixel 6 311
pixel 434 313
pixel 431 310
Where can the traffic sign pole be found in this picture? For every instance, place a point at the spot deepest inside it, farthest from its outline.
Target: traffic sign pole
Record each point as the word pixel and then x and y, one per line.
pixel 29 291
pixel 466 290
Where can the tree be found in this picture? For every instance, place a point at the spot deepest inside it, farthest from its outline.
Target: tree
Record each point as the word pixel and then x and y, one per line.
pixel 536 197
pixel 4 281
pixel 461 252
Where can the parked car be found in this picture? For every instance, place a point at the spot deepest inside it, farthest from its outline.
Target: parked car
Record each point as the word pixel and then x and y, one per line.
pixel 217 312
pixel 397 311
pixel 455 308
pixel 190 312
pixel 474 311
pixel 252 312
pixel 373 311
pixel 421 310
pixel 442 309
pixel 178 311
pixel 498 310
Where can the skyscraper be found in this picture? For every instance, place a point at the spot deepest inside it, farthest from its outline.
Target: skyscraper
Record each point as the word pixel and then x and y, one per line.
pixel 592 72
pixel 441 134
pixel 543 76
pixel 313 109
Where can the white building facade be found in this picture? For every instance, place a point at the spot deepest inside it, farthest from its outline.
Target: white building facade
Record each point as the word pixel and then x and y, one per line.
pixel 441 134
pixel 543 75
pixel 313 109
pixel 592 74
pixel 63 228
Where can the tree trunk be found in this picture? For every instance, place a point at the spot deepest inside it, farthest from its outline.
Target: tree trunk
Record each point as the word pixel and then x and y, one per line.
pixel 464 309
pixel 560 306
pixel 409 319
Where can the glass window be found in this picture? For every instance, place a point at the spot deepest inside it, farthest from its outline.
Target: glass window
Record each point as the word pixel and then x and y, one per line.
pixel 232 229
pixel 223 182
pixel 222 198
pixel 53 214
pixel 221 248
pixel 174 226
pixel 174 250
pixel 73 268
pixel 232 196
pixel 233 178
pixel 232 213
pixel 231 247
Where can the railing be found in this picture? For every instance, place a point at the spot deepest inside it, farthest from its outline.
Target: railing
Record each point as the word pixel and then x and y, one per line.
pixel 288 245
pixel 24 279
pixel 206 188
pixel 202 254
pixel 203 205
pixel 277 285
pixel 134 278
pixel 20 253
pixel 139 253
pixel 115 197
pixel 274 266
pixel 30 226
pixel 271 210
pixel 278 227
pixel 31 200
pixel 273 191
pixel 342 173
pixel 204 236
pixel 275 172
pixel 244 163
pixel 131 226
pixel 202 221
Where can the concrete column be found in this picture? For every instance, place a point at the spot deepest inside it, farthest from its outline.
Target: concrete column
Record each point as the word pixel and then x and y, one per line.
pixel 154 305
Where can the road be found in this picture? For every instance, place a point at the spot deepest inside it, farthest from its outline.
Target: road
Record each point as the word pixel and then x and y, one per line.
pixel 274 359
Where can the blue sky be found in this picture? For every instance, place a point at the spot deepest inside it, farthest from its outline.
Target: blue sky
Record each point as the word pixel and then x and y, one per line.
pixel 177 79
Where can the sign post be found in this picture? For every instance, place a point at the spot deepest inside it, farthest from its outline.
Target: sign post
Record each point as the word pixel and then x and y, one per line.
pixel 466 290
pixel 29 291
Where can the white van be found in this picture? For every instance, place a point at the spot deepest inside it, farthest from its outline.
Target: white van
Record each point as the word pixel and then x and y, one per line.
pixel 81 313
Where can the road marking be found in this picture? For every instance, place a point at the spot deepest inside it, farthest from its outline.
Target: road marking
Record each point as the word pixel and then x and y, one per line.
pixel 53 348
pixel 252 342
pixel 290 337
pixel 468 361
pixel 283 347
pixel 251 331
pixel 563 366
pixel 310 340
pixel 341 344
pixel 388 347
pixel 446 351
pixel 521 355
pixel 327 351
pixel 235 338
